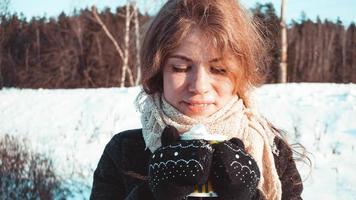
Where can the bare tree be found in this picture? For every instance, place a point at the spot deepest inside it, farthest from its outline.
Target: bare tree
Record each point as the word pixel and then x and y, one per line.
pixel 4 11
pixel 38 45
pixel 137 39
pixel 123 55
pixel 283 64
pixel 1 76
pixel 78 28
pixel 127 46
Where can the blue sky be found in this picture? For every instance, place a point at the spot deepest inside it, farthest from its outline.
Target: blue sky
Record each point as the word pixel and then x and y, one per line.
pixel 331 9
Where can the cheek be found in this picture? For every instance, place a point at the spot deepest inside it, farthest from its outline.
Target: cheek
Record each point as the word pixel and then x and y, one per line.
pixel 225 93
pixel 225 88
pixel 173 85
pixel 172 81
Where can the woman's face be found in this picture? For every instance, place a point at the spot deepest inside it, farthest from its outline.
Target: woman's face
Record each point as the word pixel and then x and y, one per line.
pixel 195 79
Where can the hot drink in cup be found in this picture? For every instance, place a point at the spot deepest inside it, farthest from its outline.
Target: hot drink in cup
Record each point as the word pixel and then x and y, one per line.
pixel 199 132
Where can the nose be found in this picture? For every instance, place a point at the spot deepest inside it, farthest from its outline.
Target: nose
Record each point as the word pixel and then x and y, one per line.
pixel 199 82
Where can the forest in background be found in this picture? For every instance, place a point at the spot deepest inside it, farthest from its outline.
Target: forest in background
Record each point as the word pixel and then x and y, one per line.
pixel 77 52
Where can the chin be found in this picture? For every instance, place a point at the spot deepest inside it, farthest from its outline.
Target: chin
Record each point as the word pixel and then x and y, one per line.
pixel 199 114
pixel 196 112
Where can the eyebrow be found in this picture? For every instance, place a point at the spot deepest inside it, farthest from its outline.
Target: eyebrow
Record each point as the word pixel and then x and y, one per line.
pixel 190 60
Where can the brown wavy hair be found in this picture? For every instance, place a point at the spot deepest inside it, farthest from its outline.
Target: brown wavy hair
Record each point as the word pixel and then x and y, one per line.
pixel 230 28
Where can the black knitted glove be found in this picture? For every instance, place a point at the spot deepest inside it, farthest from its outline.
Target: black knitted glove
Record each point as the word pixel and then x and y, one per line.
pixel 178 165
pixel 234 173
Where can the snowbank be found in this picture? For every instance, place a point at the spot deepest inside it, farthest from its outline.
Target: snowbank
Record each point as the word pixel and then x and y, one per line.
pixel 73 126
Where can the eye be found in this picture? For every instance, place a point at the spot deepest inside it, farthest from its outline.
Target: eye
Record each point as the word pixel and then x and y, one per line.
pixel 180 68
pixel 218 70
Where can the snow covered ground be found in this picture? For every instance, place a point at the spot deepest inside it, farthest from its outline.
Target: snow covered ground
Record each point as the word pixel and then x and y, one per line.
pixel 73 126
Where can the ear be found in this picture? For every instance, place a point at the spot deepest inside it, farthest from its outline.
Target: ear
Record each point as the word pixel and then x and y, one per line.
pixel 169 135
pixel 237 142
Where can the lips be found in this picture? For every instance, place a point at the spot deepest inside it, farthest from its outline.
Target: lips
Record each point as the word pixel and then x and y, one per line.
pixel 197 107
pixel 199 104
pixel 193 102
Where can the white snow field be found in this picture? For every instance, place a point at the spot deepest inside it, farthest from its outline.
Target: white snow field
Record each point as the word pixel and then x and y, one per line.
pixel 73 126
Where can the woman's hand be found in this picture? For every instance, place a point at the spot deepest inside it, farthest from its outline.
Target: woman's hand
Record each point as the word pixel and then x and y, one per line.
pixel 178 165
pixel 234 173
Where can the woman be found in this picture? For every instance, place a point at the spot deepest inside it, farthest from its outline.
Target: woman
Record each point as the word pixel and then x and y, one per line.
pixel 200 61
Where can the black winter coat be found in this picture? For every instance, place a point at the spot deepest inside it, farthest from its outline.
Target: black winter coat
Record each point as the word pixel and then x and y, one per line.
pixel 122 169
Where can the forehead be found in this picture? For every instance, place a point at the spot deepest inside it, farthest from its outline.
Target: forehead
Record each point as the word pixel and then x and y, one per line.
pixel 198 47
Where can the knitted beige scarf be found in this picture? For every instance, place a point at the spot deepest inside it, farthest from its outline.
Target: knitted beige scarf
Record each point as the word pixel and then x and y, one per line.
pixel 233 120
